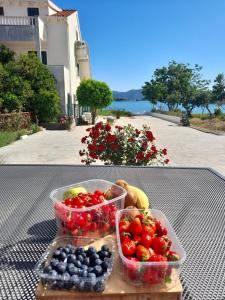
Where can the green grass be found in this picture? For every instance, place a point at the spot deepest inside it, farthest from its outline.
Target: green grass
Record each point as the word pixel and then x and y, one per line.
pixel 8 137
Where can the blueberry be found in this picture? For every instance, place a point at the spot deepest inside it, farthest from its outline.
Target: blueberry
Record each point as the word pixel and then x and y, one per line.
pixel 80 272
pixel 94 257
pixel 53 263
pixel 84 267
pixel 99 286
pixel 90 269
pixel 75 280
pixel 98 270
pixel 69 246
pixel 84 254
pixel 62 256
pixel 91 250
pixel 71 269
pixel 71 258
pixel 78 264
pixel 103 254
pixel 84 273
pixel 81 285
pixel 98 261
pixel 61 267
pixel 66 250
pixel 105 265
pixel 86 261
pixel 80 250
pixel 53 273
pixel 60 282
pixel 80 258
pixel 92 278
pixel 105 248
pixel 47 269
pixel 57 254
pixel 88 286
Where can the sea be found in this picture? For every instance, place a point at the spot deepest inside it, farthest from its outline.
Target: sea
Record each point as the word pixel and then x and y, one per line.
pixel 142 107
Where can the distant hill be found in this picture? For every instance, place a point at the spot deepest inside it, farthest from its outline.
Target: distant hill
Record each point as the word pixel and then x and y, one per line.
pixel 129 95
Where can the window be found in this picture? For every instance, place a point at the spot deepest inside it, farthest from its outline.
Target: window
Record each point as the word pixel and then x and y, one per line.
pixel 32 11
pixel 1 11
pixel 43 56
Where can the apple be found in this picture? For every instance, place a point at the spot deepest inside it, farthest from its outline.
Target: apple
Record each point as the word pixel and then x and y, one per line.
pixel 73 192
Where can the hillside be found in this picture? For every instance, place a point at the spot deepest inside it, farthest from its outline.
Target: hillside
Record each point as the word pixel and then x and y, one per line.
pixel 129 95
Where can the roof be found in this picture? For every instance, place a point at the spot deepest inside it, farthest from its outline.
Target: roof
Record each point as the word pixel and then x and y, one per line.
pixel 64 13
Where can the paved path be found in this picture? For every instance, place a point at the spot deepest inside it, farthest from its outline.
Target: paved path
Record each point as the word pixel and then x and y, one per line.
pixel 186 146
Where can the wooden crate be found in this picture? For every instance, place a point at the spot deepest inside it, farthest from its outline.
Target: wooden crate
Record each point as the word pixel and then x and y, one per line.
pixel 116 289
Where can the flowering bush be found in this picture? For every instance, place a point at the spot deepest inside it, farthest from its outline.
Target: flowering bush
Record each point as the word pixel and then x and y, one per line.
pixel 66 120
pixel 121 146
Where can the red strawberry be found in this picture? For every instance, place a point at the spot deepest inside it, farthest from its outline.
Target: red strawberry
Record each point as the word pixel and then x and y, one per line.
pixel 133 268
pixel 124 225
pixel 173 256
pixel 142 253
pixel 137 239
pixel 135 227
pixel 146 240
pixel 160 245
pixel 160 229
pixel 128 247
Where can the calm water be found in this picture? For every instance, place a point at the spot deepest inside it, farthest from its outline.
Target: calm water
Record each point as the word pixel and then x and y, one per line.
pixel 145 106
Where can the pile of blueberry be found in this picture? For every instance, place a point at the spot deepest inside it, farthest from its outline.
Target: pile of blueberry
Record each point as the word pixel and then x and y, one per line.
pixel 77 268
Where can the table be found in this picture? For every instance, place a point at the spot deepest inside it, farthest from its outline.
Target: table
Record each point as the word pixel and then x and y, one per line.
pixel 193 200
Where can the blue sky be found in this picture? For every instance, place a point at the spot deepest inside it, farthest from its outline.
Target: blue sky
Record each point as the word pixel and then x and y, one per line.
pixel 128 39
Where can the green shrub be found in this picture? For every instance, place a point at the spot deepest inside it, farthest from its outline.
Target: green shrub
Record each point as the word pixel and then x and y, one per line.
pixel 218 112
pixel 35 128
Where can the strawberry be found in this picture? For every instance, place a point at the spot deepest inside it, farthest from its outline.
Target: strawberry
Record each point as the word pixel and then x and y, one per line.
pixel 135 227
pixel 160 229
pixel 146 240
pixel 124 236
pixel 162 268
pixel 137 239
pixel 133 268
pixel 124 225
pixel 173 256
pixel 142 253
pixel 148 229
pixel 128 247
pixel 160 244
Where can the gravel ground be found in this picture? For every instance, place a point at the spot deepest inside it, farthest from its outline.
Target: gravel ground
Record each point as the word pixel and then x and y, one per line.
pixel 186 147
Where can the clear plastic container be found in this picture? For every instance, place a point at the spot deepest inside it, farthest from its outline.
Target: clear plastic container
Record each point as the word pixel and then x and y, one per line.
pixel 96 221
pixel 152 274
pixel 54 282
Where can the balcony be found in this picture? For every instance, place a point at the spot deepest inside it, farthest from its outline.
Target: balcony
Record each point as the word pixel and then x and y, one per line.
pixel 21 28
pixel 81 51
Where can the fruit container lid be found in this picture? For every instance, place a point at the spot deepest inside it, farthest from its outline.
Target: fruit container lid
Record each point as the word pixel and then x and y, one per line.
pixel 78 241
pixel 176 245
pixel 90 185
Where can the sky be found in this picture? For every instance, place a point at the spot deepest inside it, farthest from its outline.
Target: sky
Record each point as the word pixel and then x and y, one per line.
pixel 129 39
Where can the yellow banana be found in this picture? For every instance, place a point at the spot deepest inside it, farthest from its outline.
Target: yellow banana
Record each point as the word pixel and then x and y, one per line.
pixel 142 198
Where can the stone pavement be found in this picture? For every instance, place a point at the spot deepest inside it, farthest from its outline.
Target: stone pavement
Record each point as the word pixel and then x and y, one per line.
pixel 186 146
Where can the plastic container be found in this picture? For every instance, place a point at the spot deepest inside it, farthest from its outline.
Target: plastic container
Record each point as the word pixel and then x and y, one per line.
pixel 96 221
pixel 54 282
pixel 151 273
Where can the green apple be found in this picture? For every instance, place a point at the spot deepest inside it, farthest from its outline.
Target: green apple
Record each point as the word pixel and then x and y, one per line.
pixel 73 192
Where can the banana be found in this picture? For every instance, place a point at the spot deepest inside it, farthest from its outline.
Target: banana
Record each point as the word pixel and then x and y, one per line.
pixel 142 198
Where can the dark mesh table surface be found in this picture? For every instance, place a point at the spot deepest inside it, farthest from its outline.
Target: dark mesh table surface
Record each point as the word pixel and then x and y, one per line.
pixel 192 199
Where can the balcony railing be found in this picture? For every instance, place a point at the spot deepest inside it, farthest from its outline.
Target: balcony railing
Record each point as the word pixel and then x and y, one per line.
pixel 18 21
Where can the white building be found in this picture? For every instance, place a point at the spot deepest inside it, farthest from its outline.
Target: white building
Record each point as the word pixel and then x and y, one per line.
pixel 54 34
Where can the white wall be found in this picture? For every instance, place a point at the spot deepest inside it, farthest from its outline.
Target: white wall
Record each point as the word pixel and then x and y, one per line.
pixel 23 47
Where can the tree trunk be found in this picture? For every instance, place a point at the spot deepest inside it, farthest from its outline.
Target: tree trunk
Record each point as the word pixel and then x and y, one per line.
pixel 209 111
pixel 93 115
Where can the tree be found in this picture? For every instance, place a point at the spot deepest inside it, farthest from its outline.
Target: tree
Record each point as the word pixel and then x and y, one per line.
pixel 218 90
pixel 176 84
pixel 41 96
pixel 6 55
pixel 95 94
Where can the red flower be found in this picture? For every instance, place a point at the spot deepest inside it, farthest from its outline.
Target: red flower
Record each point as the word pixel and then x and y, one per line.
pixel 144 145
pixel 92 147
pixel 149 136
pixel 115 146
pixel 166 161
pixel 81 153
pixel 130 140
pixel 83 140
pixel 148 155
pixel 88 129
pixel 119 127
pixel 99 125
pixel 137 131
pixel 95 134
pixel 107 127
pixel 102 147
pixel 153 148
pixel 140 156
pixel 93 155
pixel 164 151
pixel 110 138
